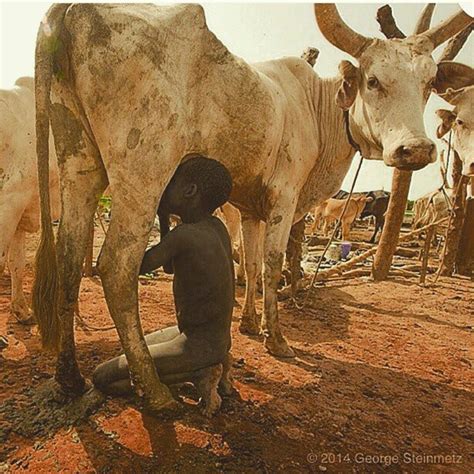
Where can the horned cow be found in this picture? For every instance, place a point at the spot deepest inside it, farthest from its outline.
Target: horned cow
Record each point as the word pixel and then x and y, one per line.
pixel 274 124
pixel 456 86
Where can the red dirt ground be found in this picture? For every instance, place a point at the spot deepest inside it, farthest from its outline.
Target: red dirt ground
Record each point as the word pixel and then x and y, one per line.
pixel 383 374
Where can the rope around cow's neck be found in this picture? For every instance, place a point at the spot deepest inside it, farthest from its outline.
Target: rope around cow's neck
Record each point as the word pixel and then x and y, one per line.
pixel 356 147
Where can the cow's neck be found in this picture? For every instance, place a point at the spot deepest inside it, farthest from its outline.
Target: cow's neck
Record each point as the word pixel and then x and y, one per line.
pixel 333 141
pixel 335 153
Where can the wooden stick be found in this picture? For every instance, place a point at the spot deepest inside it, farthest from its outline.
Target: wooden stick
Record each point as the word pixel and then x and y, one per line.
pixel 343 267
pixel 426 253
pixel 387 23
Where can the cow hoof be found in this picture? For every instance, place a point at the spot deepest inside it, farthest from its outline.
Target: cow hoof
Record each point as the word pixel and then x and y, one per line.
pixel 3 342
pixel 22 314
pixel 163 407
pixel 29 321
pixel 206 382
pixel 248 325
pixel 279 347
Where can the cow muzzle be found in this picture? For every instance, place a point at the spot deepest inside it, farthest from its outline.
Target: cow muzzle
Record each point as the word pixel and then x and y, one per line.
pixel 412 155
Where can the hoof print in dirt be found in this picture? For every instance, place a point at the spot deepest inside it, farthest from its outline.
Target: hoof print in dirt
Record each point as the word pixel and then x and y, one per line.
pixel 39 412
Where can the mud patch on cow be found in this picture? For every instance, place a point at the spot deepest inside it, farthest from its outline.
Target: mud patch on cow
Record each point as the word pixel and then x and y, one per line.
pixel 133 138
pixel 172 120
pixel 276 220
pixel 99 33
pixel 67 131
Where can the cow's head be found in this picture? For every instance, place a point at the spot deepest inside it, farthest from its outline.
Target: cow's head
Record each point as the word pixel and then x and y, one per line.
pixel 387 93
pixel 455 84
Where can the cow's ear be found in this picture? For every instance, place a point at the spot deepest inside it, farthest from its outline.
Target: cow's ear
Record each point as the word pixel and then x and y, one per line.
pixel 451 75
pixel 447 118
pixel 350 85
pixel 369 199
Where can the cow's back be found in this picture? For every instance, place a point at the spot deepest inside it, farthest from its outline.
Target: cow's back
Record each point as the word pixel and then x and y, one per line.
pixel 148 72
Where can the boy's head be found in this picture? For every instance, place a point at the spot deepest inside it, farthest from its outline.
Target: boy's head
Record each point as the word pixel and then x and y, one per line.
pixel 199 185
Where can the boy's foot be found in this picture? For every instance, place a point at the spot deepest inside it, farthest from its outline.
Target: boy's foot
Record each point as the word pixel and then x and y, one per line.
pixel 226 386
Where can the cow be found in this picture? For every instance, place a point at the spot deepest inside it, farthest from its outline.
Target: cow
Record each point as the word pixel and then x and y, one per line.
pixel 333 209
pixel 230 215
pixel 19 198
pixel 456 86
pixel 126 106
pixel 431 207
pixel 376 206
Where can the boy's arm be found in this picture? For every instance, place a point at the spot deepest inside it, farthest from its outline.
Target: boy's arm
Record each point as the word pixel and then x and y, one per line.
pixel 161 254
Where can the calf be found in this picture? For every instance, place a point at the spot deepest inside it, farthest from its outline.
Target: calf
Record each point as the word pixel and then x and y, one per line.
pixel 377 207
pixel 332 209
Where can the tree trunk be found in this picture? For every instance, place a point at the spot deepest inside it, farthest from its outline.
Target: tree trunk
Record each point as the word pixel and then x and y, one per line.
pixel 452 240
pixel 393 223
pixel 465 255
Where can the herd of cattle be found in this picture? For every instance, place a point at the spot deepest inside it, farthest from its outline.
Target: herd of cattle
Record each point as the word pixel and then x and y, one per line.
pixel 285 134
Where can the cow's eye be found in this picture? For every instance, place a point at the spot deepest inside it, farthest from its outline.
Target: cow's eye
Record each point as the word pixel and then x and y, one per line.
pixel 373 82
pixel 459 122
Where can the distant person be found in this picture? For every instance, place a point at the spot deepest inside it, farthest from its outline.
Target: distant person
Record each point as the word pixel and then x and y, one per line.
pixel 199 253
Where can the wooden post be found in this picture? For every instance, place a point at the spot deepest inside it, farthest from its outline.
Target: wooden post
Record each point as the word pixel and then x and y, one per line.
pixel 393 223
pixel 465 254
pixel 454 236
pixel 426 254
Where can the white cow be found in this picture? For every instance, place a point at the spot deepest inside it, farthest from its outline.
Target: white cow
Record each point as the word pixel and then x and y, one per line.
pixel 432 207
pixel 456 86
pixel 127 105
pixel 19 199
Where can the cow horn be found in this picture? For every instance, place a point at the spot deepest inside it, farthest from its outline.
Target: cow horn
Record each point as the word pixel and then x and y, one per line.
pixel 337 32
pixel 448 28
pixel 424 21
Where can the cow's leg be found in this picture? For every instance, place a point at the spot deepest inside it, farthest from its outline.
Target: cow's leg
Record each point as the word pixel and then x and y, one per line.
pixel 277 232
pixel 13 203
pixel 377 226
pixel 249 323
pixel 294 254
pixel 80 195
pixel 133 213
pixel 16 265
pixel 346 229
pixel 240 276
pixel 83 179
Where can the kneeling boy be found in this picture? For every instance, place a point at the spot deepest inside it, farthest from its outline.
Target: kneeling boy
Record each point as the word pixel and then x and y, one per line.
pixel 199 253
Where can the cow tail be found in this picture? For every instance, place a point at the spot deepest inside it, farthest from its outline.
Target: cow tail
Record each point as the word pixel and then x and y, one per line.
pixel 46 282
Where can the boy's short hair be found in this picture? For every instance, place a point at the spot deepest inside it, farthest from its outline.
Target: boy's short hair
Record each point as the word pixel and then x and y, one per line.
pixel 211 177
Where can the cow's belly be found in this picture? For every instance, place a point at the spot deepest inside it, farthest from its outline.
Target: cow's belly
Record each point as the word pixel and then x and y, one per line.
pixel 322 185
